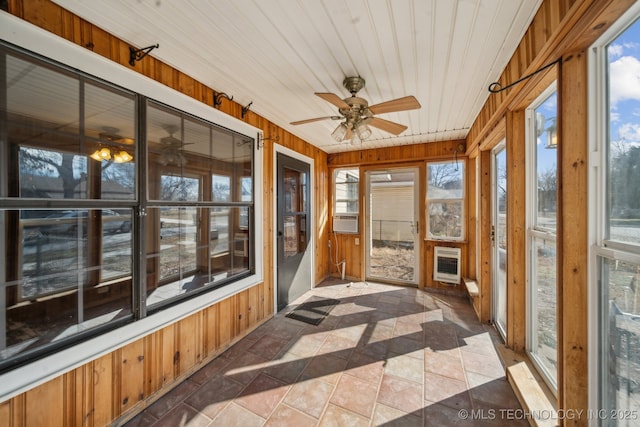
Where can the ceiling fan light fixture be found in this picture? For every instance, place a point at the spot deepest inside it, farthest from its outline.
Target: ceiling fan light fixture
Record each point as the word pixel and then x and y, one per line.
pixel 122 157
pixel 355 139
pixel 363 131
pixel 102 153
pixel 339 133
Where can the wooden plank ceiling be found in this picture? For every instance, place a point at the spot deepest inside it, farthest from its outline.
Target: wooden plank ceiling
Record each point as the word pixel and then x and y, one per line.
pixel 278 53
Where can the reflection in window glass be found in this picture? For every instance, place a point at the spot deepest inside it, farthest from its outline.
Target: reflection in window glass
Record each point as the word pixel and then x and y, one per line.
pixel 178 242
pixel 221 188
pixel 68 263
pixel 202 238
pixel 182 261
pixel 52 175
pixel 72 209
pixel 116 243
pixel 34 89
pixel 57 292
pixel 445 200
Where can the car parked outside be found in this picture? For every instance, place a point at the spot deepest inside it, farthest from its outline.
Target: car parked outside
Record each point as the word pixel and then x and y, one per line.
pixel 67 222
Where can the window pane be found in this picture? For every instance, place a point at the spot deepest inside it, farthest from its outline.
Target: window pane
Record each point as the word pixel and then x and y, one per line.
pixel 624 139
pixel 165 146
pixel 243 165
pixel 53 283
pixel 445 219
pixel 544 345
pixel 117 242
pixel 621 322
pixel 34 89
pixel 183 257
pixel 546 163
pixel 109 118
pixel 179 188
pixel 51 174
pixel 445 180
pixel 221 188
pixel 56 148
pixel 346 183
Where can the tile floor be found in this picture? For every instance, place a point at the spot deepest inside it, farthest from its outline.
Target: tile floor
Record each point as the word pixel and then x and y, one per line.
pixel 385 356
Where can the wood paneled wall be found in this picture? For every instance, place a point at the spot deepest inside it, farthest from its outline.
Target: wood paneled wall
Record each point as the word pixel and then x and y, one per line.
pixel 107 388
pixel 561 29
pixel 99 392
pixel 414 155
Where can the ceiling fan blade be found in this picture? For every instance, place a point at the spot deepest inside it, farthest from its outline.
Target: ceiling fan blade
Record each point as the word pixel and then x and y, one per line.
pixel 401 104
pixel 387 126
pixel 334 99
pixel 301 122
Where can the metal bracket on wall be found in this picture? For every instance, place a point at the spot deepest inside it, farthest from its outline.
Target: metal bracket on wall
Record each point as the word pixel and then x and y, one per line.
pixel 138 54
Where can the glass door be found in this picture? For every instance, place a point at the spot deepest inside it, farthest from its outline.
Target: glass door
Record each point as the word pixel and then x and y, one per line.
pixel 392 231
pixel 499 239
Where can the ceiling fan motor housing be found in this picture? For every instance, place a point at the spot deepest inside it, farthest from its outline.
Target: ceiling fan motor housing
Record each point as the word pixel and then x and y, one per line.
pixel 359 109
pixel 353 84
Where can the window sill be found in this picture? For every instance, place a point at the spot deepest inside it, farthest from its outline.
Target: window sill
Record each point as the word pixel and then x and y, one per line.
pixel 530 389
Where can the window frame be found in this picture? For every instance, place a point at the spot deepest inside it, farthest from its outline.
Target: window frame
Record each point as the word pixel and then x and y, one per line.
pixel 462 200
pixel 535 233
pixel 601 248
pixel 28 38
pixel 348 200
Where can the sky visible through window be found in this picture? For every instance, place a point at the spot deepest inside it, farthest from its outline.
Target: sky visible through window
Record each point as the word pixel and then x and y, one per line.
pixel 624 89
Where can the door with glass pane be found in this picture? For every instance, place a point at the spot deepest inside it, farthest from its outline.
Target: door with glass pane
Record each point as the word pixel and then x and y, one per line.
pixel 499 239
pixel 391 226
pixel 294 208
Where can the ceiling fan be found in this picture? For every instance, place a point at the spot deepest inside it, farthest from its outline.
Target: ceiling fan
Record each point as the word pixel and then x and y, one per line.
pixel 358 115
pixel 171 151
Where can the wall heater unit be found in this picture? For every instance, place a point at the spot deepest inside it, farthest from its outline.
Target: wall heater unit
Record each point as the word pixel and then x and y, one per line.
pixel 345 224
pixel 446 265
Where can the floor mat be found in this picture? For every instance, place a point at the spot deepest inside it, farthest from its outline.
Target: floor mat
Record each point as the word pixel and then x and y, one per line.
pixel 314 310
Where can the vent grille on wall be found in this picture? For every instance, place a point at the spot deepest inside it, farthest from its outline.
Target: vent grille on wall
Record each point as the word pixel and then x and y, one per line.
pixel 446 265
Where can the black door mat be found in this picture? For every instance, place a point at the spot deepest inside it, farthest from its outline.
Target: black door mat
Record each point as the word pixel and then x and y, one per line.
pixel 313 310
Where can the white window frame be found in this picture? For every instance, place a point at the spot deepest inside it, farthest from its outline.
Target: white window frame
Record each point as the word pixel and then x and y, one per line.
pixel 533 231
pixel 600 247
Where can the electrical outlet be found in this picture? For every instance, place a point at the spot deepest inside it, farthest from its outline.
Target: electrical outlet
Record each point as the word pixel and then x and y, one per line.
pixel 329 244
pixel 357 241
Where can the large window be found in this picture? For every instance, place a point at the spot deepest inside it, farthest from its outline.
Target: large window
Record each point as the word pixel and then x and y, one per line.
pixel 445 200
pixel 616 278
pixel 113 206
pixel 542 336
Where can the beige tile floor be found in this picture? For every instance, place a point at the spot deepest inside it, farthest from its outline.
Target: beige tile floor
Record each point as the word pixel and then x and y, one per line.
pixel 385 356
